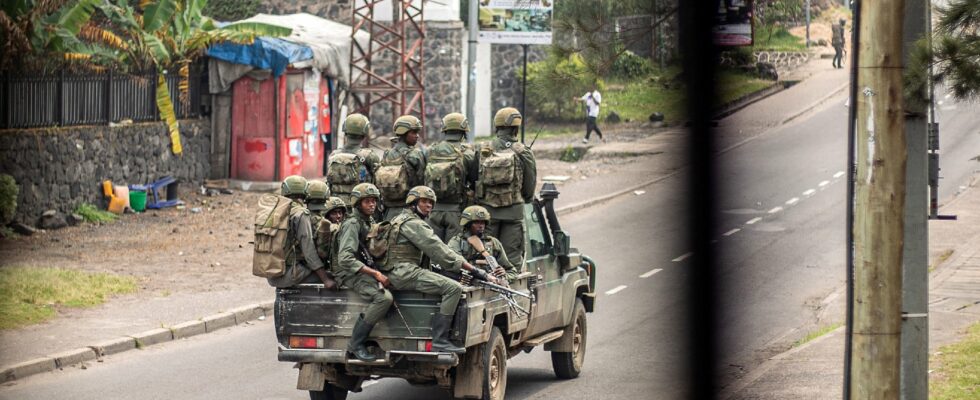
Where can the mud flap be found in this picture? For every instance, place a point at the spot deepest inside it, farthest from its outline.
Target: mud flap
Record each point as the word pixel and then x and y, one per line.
pixel 468 383
pixel 311 377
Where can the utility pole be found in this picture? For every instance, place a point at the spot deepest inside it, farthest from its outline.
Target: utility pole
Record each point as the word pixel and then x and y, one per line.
pixel 879 205
pixel 474 11
pixel 808 24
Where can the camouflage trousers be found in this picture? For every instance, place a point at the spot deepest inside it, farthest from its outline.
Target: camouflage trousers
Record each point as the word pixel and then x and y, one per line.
pixel 294 274
pixel 511 236
pixel 411 277
pixel 369 290
pixel 445 224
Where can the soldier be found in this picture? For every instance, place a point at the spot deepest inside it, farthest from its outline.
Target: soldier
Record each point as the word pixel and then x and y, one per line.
pixel 504 186
pixel 334 212
pixel 837 40
pixel 474 220
pixel 317 193
pixel 409 240
pixel 450 171
pixel 402 166
pixel 351 165
pixel 352 271
pixel 301 257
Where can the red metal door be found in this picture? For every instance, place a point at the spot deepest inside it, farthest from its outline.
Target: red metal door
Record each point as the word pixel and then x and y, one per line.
pixel 253 130
pixel 294 148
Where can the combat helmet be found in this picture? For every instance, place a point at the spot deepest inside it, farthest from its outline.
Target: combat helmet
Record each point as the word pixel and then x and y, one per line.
pixel 363 191
pixel 294 185
pixel 473 214
pixel 406 123
pixel 357 125
pixel 334 203
pixel 420 192
pixel 455 122
pixel 316 194
pixel 507 116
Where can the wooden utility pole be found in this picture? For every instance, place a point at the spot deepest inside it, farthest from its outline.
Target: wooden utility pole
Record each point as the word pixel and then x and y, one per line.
pixel 879 203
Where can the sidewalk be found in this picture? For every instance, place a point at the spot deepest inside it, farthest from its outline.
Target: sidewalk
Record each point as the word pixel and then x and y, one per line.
pixel 815 369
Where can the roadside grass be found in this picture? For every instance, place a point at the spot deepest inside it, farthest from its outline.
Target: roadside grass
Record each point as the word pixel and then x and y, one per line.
pixel 734 84
pixel 636 99
pixel 780 40
pixel 92 214
pixel 956 372
pixel 817 333
pixel 29 295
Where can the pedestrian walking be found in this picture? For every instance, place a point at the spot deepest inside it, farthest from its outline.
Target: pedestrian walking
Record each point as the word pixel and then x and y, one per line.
pixel 837 40
pixel 592 101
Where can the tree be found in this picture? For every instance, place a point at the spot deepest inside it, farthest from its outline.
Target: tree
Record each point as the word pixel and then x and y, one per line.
pixel 954 55
pixel 772 14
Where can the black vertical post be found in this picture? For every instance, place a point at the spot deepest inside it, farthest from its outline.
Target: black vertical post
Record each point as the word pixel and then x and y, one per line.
pixel 59 105
pixel 524 94
pixel 108 97
pixel 6 100
pixel 851 175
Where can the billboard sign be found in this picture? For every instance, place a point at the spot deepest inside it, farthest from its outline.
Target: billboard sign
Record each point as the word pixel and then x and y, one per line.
pixel 733 23
pixel 516 21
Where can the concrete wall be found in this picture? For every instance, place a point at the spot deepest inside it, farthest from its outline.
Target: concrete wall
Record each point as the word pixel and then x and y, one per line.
pixel 60 168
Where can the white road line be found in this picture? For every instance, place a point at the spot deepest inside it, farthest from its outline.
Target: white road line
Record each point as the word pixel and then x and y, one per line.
pixel 775 210
pixel 650 273
pixel 792 201
pixel 809 192
pixel 753 220
pixel 616 289
pixel 824 183
pixel 683 257
pixel 838 174
pixel 731 232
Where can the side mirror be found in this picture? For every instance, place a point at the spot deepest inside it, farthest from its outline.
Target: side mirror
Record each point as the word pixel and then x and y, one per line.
pixel 561 243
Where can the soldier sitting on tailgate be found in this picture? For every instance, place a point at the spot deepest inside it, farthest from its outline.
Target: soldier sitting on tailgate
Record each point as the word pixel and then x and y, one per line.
pixel 301 257
pixel 475 245
pixel 411 238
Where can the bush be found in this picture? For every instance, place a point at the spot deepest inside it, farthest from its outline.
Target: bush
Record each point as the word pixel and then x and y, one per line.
pixel 554 83
pixel 231 10
pixel 91 214
pixel 8 198
pixel 630 65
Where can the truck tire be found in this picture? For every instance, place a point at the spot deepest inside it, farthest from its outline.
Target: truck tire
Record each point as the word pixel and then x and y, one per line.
pixel 495 367
pixel 568 365
pixel 329 392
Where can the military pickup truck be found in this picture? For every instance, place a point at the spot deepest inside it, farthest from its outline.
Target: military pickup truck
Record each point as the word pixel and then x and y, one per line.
pixel 313 324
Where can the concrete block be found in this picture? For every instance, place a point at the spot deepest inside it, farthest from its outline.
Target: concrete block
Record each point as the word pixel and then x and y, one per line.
pixel 247 313
pixel 113 346
pixel 72 357
pixel 27 368
pixel 152 337
pixel 188 329
pixel 268 307
pixel 218 321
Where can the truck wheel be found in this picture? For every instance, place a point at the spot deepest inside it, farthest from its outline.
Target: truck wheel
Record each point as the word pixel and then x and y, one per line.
pixel 329 392
pixel 495 367
pixel 569 364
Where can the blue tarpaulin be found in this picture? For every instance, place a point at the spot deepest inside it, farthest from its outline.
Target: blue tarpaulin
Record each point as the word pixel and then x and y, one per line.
pixel 265 53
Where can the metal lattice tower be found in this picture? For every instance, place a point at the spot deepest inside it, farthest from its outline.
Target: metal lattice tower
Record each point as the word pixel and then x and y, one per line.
pixel 390 68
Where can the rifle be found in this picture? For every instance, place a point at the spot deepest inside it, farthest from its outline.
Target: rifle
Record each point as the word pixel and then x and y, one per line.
pixel 538 132
pixel 507 293
pixel 477 244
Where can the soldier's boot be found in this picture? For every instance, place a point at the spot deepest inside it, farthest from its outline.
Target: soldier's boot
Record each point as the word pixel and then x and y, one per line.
pixel 358 337
pixel 440 335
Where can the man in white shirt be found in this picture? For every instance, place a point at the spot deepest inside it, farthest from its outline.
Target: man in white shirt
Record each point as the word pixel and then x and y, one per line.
pixel 592 100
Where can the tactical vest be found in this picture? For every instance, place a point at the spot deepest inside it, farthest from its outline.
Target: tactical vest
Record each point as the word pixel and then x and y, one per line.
pixel 292 244
pixel 323 236
pixel 501 176
pixel 392 177
pixel 401 250
pixel 445 172
pixel 346 170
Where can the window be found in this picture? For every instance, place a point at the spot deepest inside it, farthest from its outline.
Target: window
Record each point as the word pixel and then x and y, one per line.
pixel 539 242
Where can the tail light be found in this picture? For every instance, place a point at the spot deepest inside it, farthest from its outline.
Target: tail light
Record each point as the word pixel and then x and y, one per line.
pixel 425 345
pixel 305 342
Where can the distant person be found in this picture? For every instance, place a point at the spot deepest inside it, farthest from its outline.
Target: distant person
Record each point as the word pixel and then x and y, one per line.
pixel 592 100
pixel 837 40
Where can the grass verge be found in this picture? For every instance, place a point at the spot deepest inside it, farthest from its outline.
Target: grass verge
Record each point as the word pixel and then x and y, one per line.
pixel 733 85
pixel 817 333
pixel 776 39
pixel 29 295
pixel 956 372
pixel 92 214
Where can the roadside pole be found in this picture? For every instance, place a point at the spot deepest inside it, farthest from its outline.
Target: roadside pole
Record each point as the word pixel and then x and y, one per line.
pixel 879 205
pixel 474 12
pixel 915 259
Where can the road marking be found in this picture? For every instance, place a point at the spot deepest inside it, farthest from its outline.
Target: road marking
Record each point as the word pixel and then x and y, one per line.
pixel 809 192
pixel 753 220
pixel 824 183
pixel 683 257
pixel 650 273
pixel 838 174
pixel 775 210
pixel 731 232
pixel 616 289
pixel 792 201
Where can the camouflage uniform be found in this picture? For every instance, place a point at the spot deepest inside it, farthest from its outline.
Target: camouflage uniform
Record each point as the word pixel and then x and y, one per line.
pixel 459 245
pixel 415 162
pixel 301 258
pixel 371 163
pixel 347 242
pixel 444 218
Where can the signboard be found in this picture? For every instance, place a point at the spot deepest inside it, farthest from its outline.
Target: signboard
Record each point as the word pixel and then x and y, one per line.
pixel 733 23
pixel 516 21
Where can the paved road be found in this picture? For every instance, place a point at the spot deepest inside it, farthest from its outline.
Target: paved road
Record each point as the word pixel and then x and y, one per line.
pixel 781 239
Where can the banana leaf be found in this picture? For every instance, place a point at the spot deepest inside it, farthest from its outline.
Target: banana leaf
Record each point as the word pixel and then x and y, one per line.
pixel 166 107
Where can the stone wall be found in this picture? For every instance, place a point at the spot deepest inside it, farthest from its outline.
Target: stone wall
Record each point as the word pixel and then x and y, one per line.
pixel 60 168
pixel 334 10
pixel 443 68
pixel 508 61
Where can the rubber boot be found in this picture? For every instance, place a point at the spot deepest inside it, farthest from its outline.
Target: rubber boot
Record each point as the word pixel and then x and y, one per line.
pixel 358 337
pixel 440 335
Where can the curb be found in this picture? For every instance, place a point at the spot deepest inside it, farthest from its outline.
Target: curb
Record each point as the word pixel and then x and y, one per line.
pixel 751 98
pixel 816 103
pixel 140 340
pixel 591 202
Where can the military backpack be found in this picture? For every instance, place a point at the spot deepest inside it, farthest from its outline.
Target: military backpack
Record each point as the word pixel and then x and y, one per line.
pixel 345 170
pixel 445 172
pixel 501 176
pixel 392 177
pixel 271 236
pixel 382 237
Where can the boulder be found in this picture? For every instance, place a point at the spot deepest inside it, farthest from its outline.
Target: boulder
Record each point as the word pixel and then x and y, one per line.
pixel 74 219
pixel 23 229
pixel 613 118
pixel 766 71
pixel 51 221
pixel 657 117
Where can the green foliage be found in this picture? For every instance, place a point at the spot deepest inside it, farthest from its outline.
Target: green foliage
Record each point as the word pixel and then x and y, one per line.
pixel 630 65
pixel 733 85
pixel 571 154
pixel 28 295
pixel 954 55
pixel 955 371
pixel 742 56
pixel 777 39
pixel 554 83
pixel 92 214
pixel 8 198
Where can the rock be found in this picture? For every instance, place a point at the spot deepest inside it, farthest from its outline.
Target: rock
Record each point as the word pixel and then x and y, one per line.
pixel 226 191
pixel 75 219
pixel 822 42
pixel 766 71
pixel 212 192
pixel 52 221
pixel 196 210
pixel 657 117
pixel 613 118
pixel 49 213
pixel 174 231
pixel 23 229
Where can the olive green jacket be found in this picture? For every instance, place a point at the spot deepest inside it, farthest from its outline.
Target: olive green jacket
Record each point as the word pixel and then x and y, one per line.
pixel 372 161
pixel 347 242
pixel 414 232
pixel 529 184
pixel 459 245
